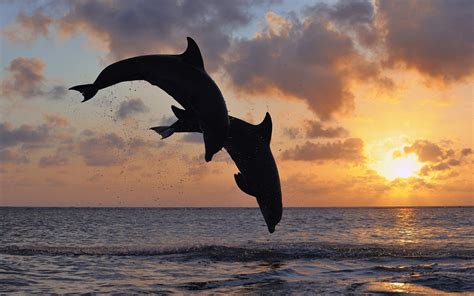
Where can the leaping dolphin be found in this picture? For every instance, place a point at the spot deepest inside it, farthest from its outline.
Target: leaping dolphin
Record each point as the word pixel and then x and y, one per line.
pixel 184 78
pixel 249 147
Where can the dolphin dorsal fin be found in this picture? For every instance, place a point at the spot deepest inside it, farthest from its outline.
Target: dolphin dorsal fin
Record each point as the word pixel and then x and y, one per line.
pixel 192 55
pixel 265 127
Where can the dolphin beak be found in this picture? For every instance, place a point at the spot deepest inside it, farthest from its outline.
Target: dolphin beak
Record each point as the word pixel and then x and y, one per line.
pixel 271 212
pixel 271 228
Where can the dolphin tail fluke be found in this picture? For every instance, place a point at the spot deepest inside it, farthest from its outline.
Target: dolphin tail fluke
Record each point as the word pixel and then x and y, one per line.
pixel 163 131
pixel 87 90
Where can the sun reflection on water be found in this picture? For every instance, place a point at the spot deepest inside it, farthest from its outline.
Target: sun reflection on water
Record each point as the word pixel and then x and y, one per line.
pixel 405 225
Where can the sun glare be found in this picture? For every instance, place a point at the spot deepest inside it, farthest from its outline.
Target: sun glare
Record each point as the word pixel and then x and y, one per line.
pixel 398 165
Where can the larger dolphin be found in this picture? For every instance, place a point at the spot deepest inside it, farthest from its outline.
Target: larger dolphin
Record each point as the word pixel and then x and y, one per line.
pixel 249 147
pixel 181 76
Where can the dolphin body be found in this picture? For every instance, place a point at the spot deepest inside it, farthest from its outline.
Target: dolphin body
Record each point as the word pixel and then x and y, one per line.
pixel 249 147
pixel 181 76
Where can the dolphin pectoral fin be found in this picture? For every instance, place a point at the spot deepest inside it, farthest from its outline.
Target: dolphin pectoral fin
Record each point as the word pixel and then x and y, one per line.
pixel 164 131
pixel 87 90
pixel 192 55
pixel 242 184
pixel 181 113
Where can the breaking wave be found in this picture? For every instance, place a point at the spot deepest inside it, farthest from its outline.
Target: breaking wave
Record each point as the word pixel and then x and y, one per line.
pixel 256 252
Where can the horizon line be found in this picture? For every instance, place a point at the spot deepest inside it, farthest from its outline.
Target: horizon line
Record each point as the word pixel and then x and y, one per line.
pixel 211 207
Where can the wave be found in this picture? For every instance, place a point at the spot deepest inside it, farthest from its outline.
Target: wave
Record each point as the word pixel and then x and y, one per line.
pixel 255 252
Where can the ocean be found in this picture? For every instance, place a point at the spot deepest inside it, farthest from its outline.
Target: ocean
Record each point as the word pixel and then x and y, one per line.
pixel 229 251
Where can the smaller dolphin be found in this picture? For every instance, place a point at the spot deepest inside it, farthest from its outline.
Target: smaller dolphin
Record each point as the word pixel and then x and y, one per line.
pixel 249 147
pixel 184 78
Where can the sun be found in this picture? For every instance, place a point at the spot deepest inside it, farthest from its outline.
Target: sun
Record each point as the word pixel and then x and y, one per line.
pixel 397 165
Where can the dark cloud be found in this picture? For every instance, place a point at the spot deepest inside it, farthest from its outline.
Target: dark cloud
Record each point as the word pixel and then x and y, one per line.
pixel 144 27
pixel 356 16
pixel 102 150
pixel 315 129
pixel 454 162
pixel 28 28
pixel 426 151
pixel 55 119
pixel 167 120
pixel 8 156
pixel 195 138
pixel 348 150
pixel 436 157
pixel 57 92
pixel 129 107
pixel 305 60
pixel 135 144
pixel 110 149
pixel 435 37
pixel 24 78
pixel 292 132
pixel 53 160
pixel 25 134
pixel 59 158
pixel 466 151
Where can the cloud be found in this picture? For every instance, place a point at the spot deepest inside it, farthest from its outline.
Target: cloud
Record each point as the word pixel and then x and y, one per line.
pixel 348 150
pixel 425 150
pixel 55 119
pixel 315 129
pixel 307 60
pixel 292 132
pixel 110 149
pixel 24 78
pixel 103 150
pixel 195 138
pixel 129 107
pixel 143 27
pixel 59 158
pixel 435 37
pixel 53 160
pixel 8 156
pixel 57 92
pixel 466 151
pixel 25 134
pixel 436 157
pixel 28 28
pixel 356 17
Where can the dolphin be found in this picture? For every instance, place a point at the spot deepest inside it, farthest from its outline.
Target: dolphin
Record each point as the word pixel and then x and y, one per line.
pixel 249 147
pixel 184 78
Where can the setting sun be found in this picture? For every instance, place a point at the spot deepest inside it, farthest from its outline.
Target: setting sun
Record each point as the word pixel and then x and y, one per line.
pixel 397 165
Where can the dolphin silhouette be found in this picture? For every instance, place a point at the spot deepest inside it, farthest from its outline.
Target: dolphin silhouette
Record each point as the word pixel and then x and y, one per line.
pixel 184 78
pixel 249 147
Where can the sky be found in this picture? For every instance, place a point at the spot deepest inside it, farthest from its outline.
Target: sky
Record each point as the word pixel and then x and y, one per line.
pixel 371 101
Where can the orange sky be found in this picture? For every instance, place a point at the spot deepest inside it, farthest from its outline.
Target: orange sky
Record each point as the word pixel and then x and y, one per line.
pixel 371 102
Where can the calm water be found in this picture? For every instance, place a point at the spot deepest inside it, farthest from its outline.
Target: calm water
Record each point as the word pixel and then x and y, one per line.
pixel 314 250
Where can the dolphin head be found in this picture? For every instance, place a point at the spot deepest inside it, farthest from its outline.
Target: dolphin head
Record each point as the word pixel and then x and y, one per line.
pixel 270 206
pixel 249 147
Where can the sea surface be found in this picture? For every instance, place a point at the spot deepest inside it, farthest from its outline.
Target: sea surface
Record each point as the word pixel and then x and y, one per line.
pixel 229 250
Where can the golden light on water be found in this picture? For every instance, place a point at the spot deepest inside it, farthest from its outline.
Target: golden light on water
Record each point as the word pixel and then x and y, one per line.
pixel 397 165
